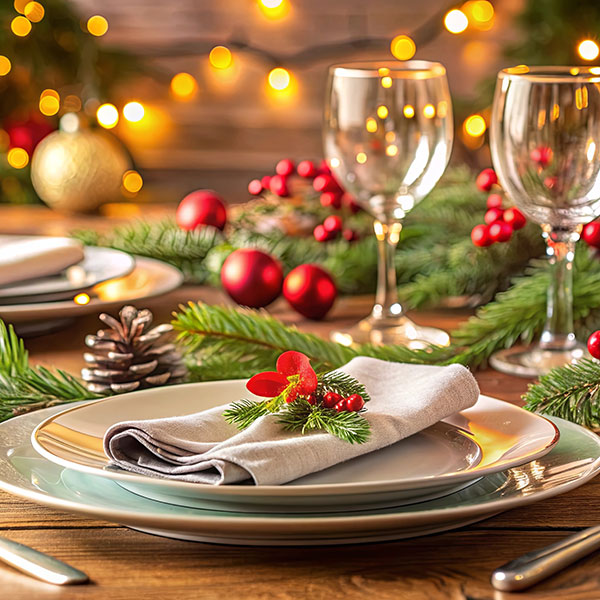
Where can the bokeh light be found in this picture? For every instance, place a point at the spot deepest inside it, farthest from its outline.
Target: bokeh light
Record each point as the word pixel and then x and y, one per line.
pixel 279 78
pixel 107 115
pixel 49 105
pixel 371 125
pixel 20 26
pixel 382 111
pixel 34 11
pixel 588 50
pixel 456 21
pixel 474 125
pixel 361 158
pixel 408 111
pixel 274 9
pixel 220 57
pixel 72 103
pixel 82 299
pixel 403 47
pixel 17 158
pixel 184 86
pixel 132 181
pixel 429 111
pixel 20 5
pixel 133 112
pixel 386 82
pixel 5 65
pixel 97 25
pixel 481 10
pixel 391 150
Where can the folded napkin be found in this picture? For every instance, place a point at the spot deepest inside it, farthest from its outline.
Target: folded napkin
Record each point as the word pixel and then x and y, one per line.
pixel 203 448
pixel 23 258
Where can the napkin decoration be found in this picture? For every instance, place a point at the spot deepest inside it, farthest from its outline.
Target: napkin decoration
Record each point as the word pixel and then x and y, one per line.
pixel 305 401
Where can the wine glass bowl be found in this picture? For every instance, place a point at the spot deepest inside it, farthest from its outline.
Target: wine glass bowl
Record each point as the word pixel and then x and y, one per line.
pixel 388 133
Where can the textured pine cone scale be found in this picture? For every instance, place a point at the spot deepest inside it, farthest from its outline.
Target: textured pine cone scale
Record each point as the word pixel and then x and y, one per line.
pixel 129 355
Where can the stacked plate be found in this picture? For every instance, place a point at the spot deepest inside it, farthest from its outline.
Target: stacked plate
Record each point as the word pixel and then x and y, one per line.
pixel 44 280
pixel 481 461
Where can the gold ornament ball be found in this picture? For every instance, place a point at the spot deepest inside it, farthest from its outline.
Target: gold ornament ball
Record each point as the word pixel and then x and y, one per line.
pixel 76 170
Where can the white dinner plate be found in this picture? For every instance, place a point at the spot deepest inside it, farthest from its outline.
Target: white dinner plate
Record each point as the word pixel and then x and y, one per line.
pixel 489 437
pixel 23 472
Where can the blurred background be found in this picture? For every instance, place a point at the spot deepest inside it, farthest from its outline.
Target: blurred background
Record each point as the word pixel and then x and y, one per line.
pixel 211 94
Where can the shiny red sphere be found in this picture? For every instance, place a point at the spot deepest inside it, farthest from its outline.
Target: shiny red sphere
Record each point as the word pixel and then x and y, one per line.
pixel 492 215
pixel 593 344
pixel 307 168
pixel 333 224
pixel 480 236
pixel 278 185
pixel 514 217
pixel 255 187
pixel 325 183
pixel 494 201
pixel 591 234
pixel 310 290
pixel 202 207
pixel 500 231
pixel 486 179
pixel 321 234
pixel 285 167
pixel 354 402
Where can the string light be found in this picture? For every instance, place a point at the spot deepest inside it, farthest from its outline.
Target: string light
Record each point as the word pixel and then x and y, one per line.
pixel 20 26
pixel 474 125
pixel 97 25
pixel 133 112
pixel 107 115
pixel 82 299
pixel 132 181
pixel 34 11
pixel 382 111
pixel 5 65
pixel 403 47
pixel 184 86
pixel 279 78
pixel 456 21
pixel 220 57
pixel 17 158
pixel 588 50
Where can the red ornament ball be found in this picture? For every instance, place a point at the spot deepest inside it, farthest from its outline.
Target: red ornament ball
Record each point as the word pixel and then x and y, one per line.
pixel 480 236
pixel 285 167
pixel 310 290
pixel 486 179
pixel 593 344
pixel 515 218
pixel 278 185
pixel 493 215
pixel 251 277
pixel 500 231
pixel 255 187
pixel 494 201
pixel 202 207
pixel 333 224
pixel 307 168
pixel 591 234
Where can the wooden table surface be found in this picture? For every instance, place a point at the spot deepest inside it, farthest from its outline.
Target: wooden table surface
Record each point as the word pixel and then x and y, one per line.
pixel 126 564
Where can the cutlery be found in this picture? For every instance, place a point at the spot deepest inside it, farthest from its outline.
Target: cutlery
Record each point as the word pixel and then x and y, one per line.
pixel 529 569
pixel 39 565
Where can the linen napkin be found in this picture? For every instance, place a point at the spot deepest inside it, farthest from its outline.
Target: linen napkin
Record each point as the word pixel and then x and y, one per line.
pixel 203 448
pixel 23 258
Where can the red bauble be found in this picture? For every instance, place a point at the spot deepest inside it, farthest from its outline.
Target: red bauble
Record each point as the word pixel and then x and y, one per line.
pixel 591 234
pixel 310 290
pixel 252 277
pixel 325 183
pixel 480 236
pixel 322 235
pixel 307 168
pixel 486 179
pixel 515 218
pixel 278 185
pixel 494 201
pixel 500 231
pixel 354 402
pixel 285 167
pixel 333 224
pixel 593 344
pixel 331 199
pixel 492 215
pixel 202 207
pixel 255 187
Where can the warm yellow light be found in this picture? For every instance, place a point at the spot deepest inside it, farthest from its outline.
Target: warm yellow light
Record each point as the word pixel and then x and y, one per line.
pixel 588 50
pixel 408 111
pixel 20 5
pixel 133 111
pixel 81 299
pixel 49 105
pixel 334 162
pixel 220 57
pixel 279 79
pixel 382 111
pixel 403 47
pixel 17 158
pixel 456 21
pixel 34 11
pixel 97 25
pixel 391 150
pixel 20 26
pixel 371 125
pixel 474 125
pixel 383 71
pixel 274 9
pixel 132 181
pixel 429 111
pixel 482 11
pixel 50 93
pixel 5 65
pixel 361 158
pixel 386 82
pixel 183 85
pixel 107 115
pixel 390 136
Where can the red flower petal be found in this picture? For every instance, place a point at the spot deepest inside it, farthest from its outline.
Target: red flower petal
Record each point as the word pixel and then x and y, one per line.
pixel 295 363
pixel 268 384
pixel 308 382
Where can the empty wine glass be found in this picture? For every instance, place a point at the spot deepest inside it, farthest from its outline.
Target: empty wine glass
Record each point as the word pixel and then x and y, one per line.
pixel 388 134
pixel 545 144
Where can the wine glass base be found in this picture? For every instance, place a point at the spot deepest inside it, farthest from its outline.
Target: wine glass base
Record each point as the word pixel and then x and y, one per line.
pixel 394 331
pixel 534 360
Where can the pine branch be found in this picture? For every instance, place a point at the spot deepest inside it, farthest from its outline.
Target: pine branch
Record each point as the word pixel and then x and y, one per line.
pixel 341 383
pixel 244 412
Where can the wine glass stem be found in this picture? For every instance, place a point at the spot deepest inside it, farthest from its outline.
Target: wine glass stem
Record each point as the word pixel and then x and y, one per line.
pixel 386 298
pixel 558 331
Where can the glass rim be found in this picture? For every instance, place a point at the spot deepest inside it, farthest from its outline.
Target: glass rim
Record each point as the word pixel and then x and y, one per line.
pixel 408 69
pixel 552 73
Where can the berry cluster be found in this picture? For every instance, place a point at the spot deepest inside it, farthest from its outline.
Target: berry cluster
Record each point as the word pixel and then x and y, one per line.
pixel 352 403
pixel 499 223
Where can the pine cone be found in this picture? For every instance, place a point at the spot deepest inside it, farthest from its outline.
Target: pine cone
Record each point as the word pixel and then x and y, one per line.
pixel 129 355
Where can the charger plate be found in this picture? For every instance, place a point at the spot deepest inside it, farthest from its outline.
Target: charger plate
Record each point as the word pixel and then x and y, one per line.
pixel 574 460
pixel 487 438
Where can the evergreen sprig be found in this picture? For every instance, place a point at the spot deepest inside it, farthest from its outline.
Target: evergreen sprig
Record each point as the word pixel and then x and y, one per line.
pixel 342 384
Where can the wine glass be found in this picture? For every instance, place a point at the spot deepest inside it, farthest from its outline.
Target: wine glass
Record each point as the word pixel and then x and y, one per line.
pixel 388 134
pixel 545 144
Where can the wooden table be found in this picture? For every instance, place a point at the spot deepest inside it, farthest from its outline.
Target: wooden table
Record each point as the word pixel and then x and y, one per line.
pixel 126 564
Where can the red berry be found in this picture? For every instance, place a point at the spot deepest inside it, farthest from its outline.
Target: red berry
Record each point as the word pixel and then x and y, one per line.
pixel 500 231
pixel 278 186
pixel 255 187
pixel 349 201
pixel 266 182
pixel 321 234
pixel 324 168
pixel 350 235
pixel 354 402
pixel 311 399
pixel 494 201
pixel 486 179
pixel 331 200
pixel 325 183
pixel 542 156
pixel 492 215
pixel 514 217
pixel 330 399
pixel 593 344
pixel 591 234
pixel 333 224
pixel 285 167
pixel 306 168
pixel 340 406
pixel 480 236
